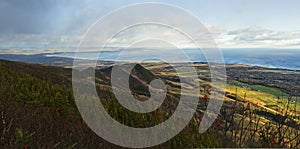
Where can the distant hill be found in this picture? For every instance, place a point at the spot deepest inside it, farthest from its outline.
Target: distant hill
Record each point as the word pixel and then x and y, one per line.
pixel 139 77
pixel 38 59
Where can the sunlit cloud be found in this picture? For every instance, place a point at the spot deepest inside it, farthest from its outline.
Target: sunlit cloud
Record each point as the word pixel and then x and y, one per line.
pixel 264 38
pixel 252 37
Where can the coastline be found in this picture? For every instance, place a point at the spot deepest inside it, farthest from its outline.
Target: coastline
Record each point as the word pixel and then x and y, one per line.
pixel 50 58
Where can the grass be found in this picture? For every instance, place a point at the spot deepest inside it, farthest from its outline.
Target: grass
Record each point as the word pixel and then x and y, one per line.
pixel 266 96
pixel 39 112
pixel 276 71
pixel 270 90
pixel 43 113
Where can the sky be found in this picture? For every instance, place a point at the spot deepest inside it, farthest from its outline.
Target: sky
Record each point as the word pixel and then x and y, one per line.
pixel 60 24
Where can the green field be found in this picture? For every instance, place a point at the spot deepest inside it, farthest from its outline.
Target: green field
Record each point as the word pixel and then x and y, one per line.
pixel 269 96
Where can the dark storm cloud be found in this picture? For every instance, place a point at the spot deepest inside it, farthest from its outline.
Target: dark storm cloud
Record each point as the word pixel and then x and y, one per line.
pixel 36 16
pixel 21 16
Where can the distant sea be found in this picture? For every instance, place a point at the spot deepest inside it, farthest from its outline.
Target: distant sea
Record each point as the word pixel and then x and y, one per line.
pixel 273 58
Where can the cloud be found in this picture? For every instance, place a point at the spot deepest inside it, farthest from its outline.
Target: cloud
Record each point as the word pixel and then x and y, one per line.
pixel 44 16
pixel 215 30
pixel 261 34
pixel 38 41
pixel 147 34
pixel 261 37
pixel 252 37
pixel 19 16
pixel 61 24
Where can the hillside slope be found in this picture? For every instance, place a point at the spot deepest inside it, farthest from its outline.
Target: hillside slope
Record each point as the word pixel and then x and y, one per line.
pixel 38 110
